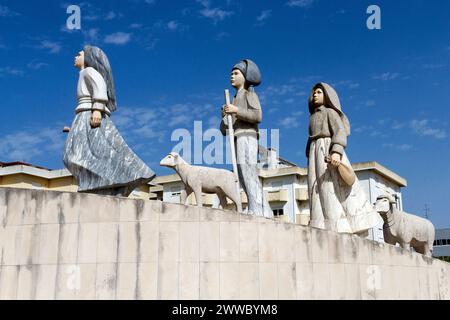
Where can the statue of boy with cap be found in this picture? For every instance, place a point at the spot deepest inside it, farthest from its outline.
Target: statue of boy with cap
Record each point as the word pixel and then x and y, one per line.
pixel 247 114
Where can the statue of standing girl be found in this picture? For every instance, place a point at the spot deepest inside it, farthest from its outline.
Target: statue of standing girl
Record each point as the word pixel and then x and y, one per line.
pixel 334 204
pixel 95 152
pixel 247 114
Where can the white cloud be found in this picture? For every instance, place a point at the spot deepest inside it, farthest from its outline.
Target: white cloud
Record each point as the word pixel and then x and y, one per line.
pixel 91 35
pixel 214 122
pixel 26 145
pixel 434 66
pixel 91 12
pixel 176 26
pixel 204 3
pixel 289 122
pixel 361 129
pixel 292 121
pixel 180 119
pixel 370 103
pixel 150 123
pixel 263 16
pixel 6 12
pixel 111 15
pixel 172 25
pixel 118 38
pixel 91 17
pixel 35 65
pixel 300 3
pixel 222 35
pixel 51 46
pixel 215 14
pixel 422 128
pixel 136 26
pixel 397 125
pixel 11 71
pixel 376 134
pixel 398 147
pixel 350 84
pixel 386 76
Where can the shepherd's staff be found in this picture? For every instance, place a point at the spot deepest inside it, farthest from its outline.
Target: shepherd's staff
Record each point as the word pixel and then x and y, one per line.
pixel 231 135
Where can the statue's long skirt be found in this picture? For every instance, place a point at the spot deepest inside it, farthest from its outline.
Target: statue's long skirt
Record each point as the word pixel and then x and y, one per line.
pixel 333 204
pixel 100 159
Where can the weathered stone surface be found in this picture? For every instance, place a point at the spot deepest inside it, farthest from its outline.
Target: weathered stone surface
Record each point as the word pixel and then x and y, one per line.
pixel 189 280
pixel 106 281
pixel 131 252
pixel 248 242
pixel 229 241
pixel 168 274
pixel 189 242
pixel 268 281
pixel 209 241
pixel 249 281
pixel 209 280
pixel 87 243
pixel 287 281
pixel 229 273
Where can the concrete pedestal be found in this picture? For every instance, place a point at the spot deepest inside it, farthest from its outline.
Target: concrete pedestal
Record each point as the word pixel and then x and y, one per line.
pixel 77 246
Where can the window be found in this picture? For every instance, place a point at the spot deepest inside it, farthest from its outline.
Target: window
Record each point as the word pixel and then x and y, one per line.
pixel 442 242
pixel 173 194
pixel 277 184
pixel 175 191
pixel 278 212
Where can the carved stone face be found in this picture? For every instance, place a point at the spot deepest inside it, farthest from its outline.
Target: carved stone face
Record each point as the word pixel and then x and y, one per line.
pixel 79 60
pixel 318 97
pixel 170 160
pixel 237 79
pixel 382 205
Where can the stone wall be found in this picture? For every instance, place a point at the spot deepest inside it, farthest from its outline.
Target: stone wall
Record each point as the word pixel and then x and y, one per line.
pixel 77 246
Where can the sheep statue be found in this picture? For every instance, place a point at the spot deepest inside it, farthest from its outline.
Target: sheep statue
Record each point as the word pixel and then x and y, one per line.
pixel 406 229
pixel 202 179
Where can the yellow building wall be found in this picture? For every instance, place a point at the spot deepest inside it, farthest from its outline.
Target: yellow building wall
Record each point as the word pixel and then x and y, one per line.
pixel 24 181
pixel 65 184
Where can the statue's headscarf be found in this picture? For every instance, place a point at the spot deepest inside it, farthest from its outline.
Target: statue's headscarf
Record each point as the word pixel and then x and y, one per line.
pixel 331 101
pixel 95 57
pixel 250 71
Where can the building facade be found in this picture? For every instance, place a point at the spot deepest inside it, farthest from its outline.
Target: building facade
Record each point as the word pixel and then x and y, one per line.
pixel 26 176
pixel 441 247
pixel 284 183
pixel 286 188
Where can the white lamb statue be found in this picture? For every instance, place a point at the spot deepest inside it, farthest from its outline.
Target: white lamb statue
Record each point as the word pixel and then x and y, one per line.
pixel 406 229
pixel 203 179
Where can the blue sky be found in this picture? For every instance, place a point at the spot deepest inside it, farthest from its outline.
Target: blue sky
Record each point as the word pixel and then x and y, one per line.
pixel 171 61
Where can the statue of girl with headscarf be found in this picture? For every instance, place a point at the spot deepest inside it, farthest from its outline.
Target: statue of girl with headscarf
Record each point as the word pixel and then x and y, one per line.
pixel 334 205
pixel 247 114
pixel 95 152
